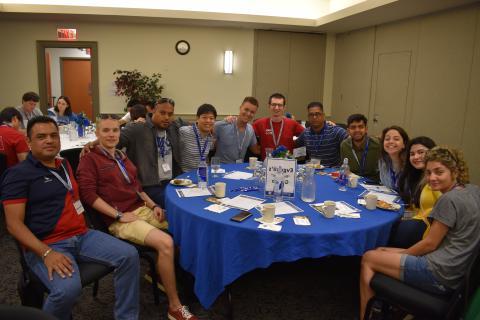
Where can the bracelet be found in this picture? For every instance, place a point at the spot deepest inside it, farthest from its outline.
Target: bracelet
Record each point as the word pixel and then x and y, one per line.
pixel 45 254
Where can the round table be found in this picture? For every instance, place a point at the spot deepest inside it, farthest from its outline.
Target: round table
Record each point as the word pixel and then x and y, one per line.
pixel 216 250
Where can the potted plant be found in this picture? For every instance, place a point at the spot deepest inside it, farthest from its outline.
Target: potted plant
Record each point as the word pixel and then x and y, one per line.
pixel 135 85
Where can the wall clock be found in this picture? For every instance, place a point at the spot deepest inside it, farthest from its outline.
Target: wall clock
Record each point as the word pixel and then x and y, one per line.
pixel 182 47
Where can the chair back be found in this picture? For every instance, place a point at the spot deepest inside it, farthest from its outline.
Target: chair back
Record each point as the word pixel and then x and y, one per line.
pixel 3 163
pixel 472 277
pixel 73 157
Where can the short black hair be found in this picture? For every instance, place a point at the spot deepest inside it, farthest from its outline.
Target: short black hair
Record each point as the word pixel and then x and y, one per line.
pixel 277 95
pixel 356 117
pixel 251 100
pixel 315 104
pixel 8 113
pixel 39 119
pixel 132 102
pixel 138 111
pixel 31 96
pixel 206 108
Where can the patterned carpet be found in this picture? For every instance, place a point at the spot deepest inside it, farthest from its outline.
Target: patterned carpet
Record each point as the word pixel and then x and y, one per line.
pixel 308 289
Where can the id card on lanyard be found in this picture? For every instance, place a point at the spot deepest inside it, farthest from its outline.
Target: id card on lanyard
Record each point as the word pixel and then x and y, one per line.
pixel 276 139
pixel 240 144
pixel 205 145
pixel 68 185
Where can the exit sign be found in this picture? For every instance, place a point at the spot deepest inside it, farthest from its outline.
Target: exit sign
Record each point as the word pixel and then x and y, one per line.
pixel 66 34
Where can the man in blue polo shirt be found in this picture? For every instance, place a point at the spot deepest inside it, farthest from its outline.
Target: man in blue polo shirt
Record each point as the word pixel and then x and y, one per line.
pixel 44 213
pixel 322 140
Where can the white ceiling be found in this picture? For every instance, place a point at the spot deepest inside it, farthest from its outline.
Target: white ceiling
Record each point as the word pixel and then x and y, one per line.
pixel 299 15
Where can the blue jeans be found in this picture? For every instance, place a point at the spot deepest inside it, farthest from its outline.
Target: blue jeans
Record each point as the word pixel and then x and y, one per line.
pixel 98 247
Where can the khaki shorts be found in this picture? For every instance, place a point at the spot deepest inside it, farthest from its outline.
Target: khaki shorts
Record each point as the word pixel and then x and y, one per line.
pixel 136 231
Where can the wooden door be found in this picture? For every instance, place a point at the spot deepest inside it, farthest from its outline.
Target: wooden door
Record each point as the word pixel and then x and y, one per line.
pixel 77 84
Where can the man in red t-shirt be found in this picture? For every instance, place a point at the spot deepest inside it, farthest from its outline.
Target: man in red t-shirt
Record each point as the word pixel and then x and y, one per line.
pixel 12 142
pixel 276 130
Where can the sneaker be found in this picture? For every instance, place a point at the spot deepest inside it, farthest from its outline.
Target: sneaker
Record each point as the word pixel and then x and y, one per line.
pixel 181 313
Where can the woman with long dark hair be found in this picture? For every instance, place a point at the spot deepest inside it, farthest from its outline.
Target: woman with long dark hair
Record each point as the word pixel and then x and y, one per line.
pixel 439 262
pixel 62 112
pixel 393 156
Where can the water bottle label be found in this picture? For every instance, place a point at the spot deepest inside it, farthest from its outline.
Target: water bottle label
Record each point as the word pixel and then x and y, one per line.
pixel 202 173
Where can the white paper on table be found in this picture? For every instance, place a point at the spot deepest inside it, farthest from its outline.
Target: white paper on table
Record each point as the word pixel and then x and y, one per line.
pixel 276 220
pixel 217 208
pixel 284 207
pixel 242 202
pixel 238 175
pixel 378 188
pixel 193 192
pixel 342 209
pixel 271 227
pixel 390 198
pixel 221 170
pixel 301 221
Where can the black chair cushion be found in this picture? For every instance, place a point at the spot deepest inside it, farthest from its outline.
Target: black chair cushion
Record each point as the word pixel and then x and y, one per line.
pixel 92 271
pixel 406 233
pixel 412 300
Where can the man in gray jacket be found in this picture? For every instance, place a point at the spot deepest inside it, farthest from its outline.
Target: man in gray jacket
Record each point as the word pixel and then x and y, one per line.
pixel 153 147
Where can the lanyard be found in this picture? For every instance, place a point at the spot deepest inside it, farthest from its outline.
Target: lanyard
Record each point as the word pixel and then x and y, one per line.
pixel 364 156
pixel 276 140
pixel 67 184
pixel 240 145
pixel 161 144
pixel 393 176
pixel 120 164
pixel 205 145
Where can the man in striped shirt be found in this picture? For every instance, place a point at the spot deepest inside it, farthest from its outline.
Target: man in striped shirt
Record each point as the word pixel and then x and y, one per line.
pixel 322 140
pixel 197 140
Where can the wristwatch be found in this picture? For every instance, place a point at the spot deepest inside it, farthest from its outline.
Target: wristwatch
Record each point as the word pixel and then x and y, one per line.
pixel 118 215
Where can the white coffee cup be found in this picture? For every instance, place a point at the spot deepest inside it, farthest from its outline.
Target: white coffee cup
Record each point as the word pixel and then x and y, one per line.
pixel 220 189
pixel 353 181
pixel 371 201
pixel 252 162
pixel 328 209
pixel 268 212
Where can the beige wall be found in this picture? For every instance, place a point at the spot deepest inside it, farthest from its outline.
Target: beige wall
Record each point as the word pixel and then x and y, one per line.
pixel 191 79
pixel 422 74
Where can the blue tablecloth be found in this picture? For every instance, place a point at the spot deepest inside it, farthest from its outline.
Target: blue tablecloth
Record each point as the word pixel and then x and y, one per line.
pixel 217 250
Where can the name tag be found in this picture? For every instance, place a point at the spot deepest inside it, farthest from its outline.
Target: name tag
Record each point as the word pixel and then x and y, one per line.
pixel 166 167
pixel 78 207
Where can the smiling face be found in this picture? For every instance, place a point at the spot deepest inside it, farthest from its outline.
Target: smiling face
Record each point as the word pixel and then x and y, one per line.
pixel 393 143
pixel 417 156
pixel 44 141
pixel 247 112
pixel 108 133
pixel 439 177
pixel 163 115
pixel 357 130
pixel 205 122
pixel 277 108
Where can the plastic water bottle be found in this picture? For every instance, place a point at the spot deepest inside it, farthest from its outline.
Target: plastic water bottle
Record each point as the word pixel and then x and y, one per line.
pixel 202 174
pixel 309 185
pixel 344 173
pixel 278 186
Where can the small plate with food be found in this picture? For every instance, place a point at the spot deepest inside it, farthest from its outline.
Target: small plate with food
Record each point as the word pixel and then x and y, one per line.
pixel 388 206
pixel 181 182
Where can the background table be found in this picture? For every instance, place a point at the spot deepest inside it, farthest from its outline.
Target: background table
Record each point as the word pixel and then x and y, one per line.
pixel 216 250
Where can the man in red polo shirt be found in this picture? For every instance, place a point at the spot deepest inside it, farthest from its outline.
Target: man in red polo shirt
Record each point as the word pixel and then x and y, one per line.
pixel 44 213
pixel 276 130
pixel 12 142
pixel 109 184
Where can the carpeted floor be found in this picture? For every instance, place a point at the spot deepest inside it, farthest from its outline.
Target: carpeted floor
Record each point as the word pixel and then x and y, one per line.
pixel 308 289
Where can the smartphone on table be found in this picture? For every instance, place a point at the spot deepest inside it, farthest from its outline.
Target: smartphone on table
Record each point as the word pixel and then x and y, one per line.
pixel 241 216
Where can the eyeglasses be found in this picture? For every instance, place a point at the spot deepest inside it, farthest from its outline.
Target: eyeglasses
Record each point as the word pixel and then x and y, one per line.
pixel 315 114
pixel 281 105
pixel 166 100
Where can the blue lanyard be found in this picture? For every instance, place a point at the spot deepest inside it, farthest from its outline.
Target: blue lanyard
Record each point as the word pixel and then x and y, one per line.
pixel 205 145
pixel 67 184
pixel 120 164
pixel 364 156
pixel 393 176
pixel 161 145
